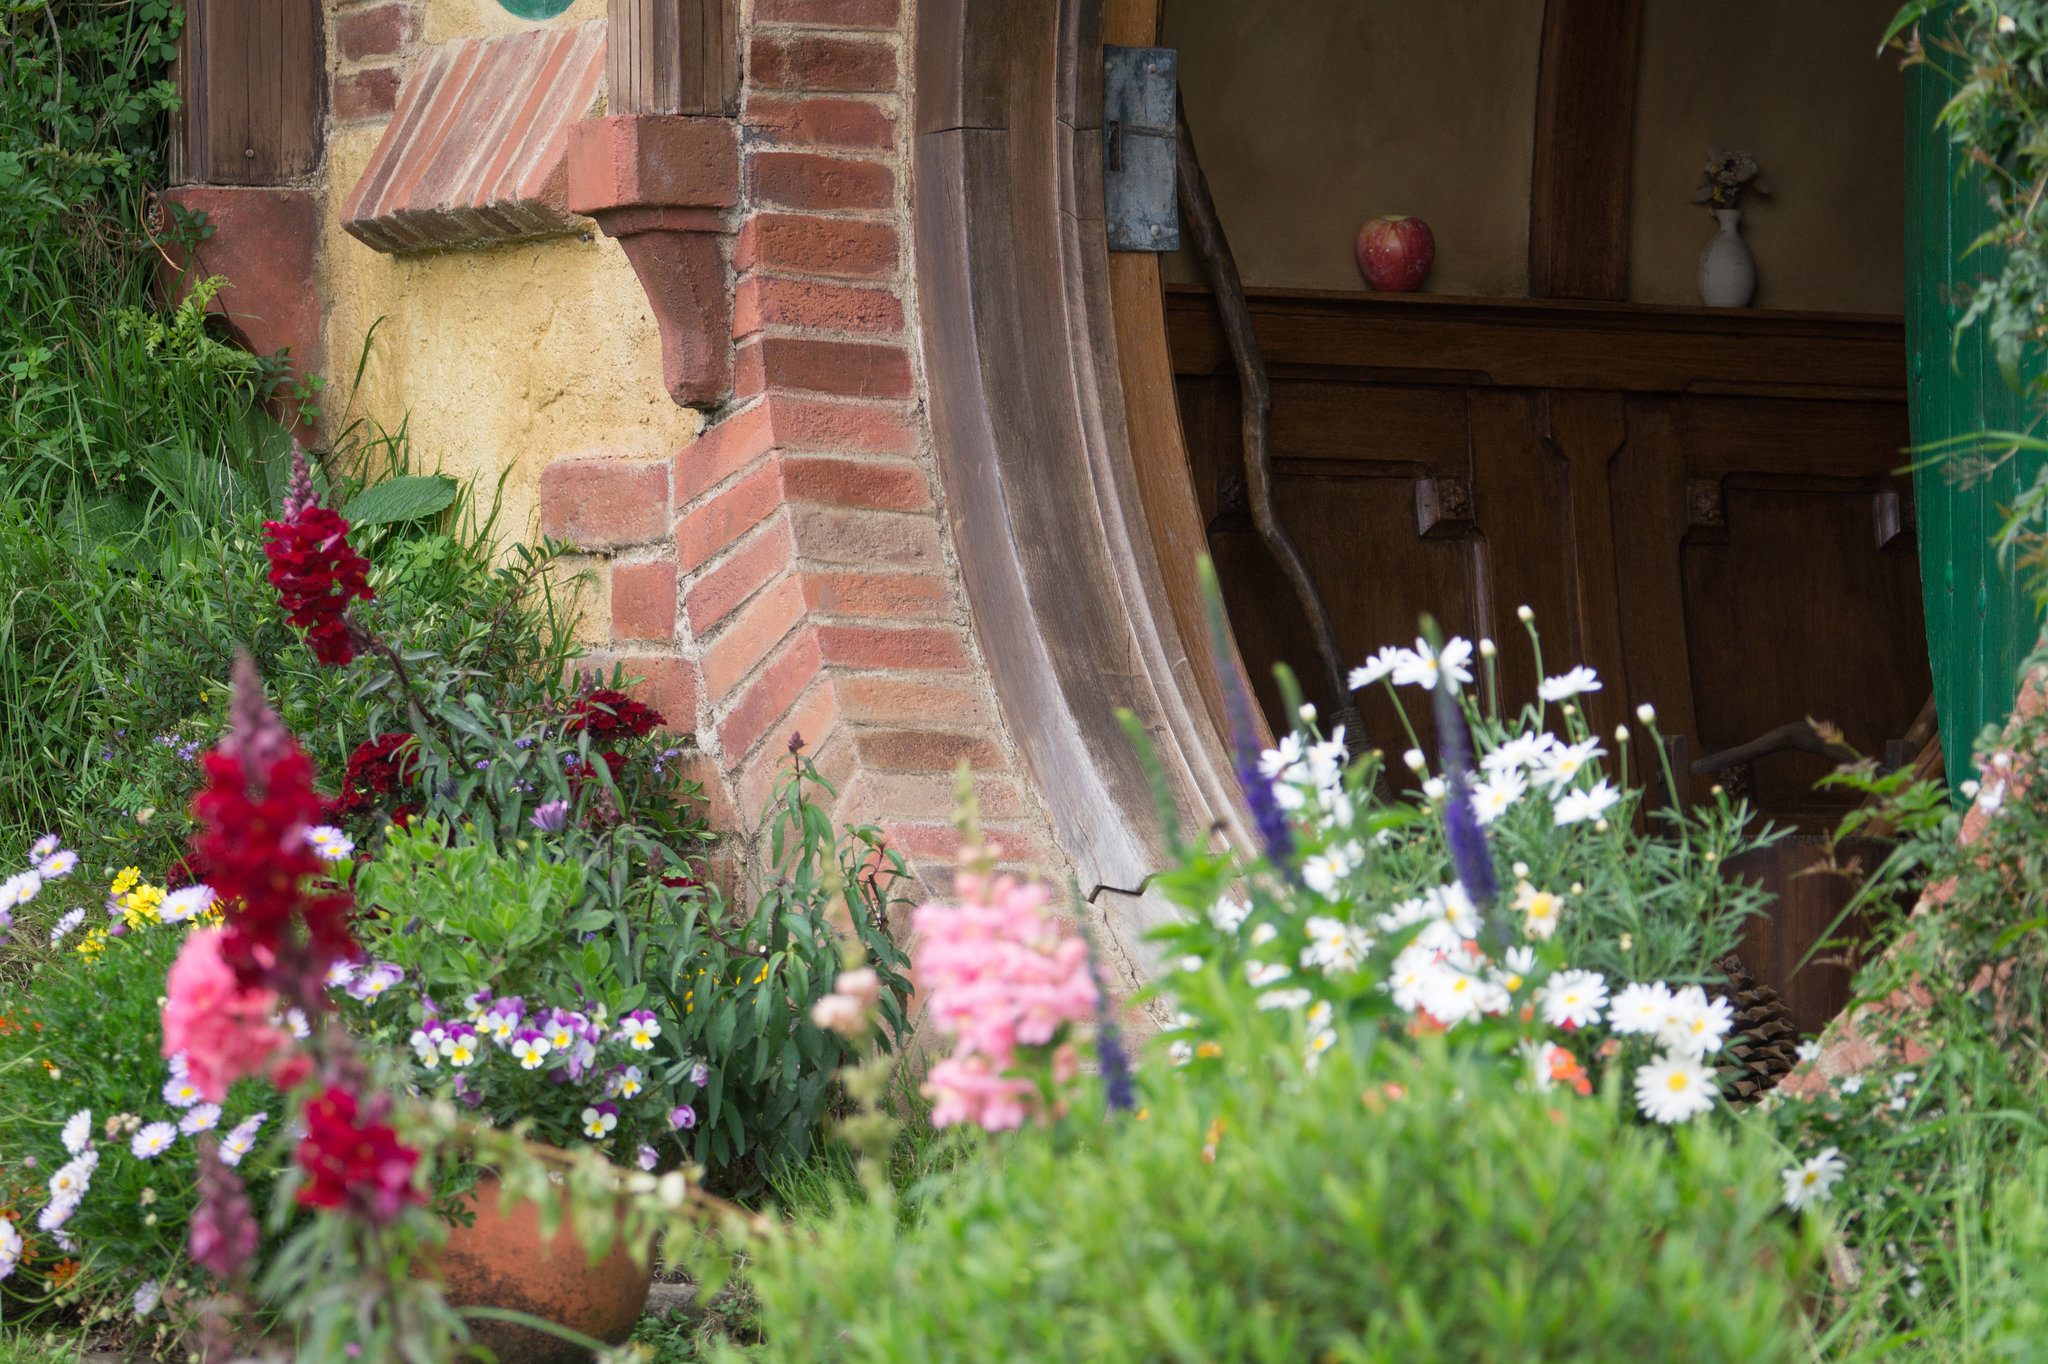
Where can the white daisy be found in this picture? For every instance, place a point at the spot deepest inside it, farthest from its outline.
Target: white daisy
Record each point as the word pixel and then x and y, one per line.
pixel 1334 946
pixel 1541 911
pixel 1640 1009
pixel 295 1023
pixel 77 1131
pixel 1324 872
pixel 1562 764
pixel 188 903
pixel 1228 915
pixel 74 1178
pixel 1284 999
pixel 1524 751
pixel 1492 799
pixel 1574 807
pixel 153 1140
pixel 1264 973
pixel 1513 972
pixel 1813 1180
pixel 1673 1088
pixel 1693 1024
pixel 1425 667
pixel 180 1092
pixel 1264 934
pixel 1453 996
pixel 1382 664
pixel 19 889
pixel 1577 681
pixel 1573 999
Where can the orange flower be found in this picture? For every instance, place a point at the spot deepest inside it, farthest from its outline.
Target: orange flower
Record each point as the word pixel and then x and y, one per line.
pixel 63 1272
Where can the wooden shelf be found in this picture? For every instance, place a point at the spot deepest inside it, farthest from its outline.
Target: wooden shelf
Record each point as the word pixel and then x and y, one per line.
pixel 1554 343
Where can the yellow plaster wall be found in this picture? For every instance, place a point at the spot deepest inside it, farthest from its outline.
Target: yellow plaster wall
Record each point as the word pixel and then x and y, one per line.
pixel 459 18
pixel 501 360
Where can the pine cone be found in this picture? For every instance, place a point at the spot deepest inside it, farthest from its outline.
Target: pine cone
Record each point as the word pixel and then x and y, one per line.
pixel 1763 1046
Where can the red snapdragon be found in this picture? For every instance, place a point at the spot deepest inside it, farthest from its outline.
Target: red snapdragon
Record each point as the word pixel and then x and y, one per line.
pixel 315 572
pixel 253 813
pixel 379 767
pixel 353 1161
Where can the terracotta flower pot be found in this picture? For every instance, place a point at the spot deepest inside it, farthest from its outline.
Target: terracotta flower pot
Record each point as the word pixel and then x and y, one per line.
pixel 501 1261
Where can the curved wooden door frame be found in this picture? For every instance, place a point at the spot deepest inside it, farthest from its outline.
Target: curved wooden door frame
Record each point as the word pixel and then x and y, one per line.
pixel 1020 346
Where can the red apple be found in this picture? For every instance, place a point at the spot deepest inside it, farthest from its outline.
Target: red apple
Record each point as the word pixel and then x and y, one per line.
pixel 1395 253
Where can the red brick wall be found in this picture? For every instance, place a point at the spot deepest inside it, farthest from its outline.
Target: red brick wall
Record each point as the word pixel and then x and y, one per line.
pixel 791 569
pixel 368 44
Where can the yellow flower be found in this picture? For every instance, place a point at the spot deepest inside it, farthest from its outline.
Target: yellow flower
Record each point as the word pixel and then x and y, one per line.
pixel 126 880
pixel 139 906
pixel 94 943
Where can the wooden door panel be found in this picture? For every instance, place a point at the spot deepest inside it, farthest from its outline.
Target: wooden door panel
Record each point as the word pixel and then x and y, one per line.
pixel 1797 613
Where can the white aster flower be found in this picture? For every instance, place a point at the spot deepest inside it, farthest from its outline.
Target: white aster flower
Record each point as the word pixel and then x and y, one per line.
pixel 19 889
pixel 1385 663
pixel 1562 764
pixel 1639 1010
pixel 77 1133
pixel 153 1140
pixel 188 903
pixel 1284 999
pixel 1492 799
pixel 200 1118
pixel 43 847
pixel 74 1178
pixel 339 974
pixel 1573 999
pixel 10 1247
pixel 180 1092
pixel 1264 973
pixel 295 1023
pixel 1694 1025
pixel 1674 1088
pixel 1574 807
pixel 241 1138
pixel 62 928
pixel 1425 667
pixel 147 1297
pixel 1574 683
pixel 57 865
pixel 56 1214
pixel 329 843
pixel 1813 1180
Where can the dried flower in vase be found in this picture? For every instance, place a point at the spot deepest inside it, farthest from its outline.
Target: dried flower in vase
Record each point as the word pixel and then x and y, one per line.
pixel 1728 175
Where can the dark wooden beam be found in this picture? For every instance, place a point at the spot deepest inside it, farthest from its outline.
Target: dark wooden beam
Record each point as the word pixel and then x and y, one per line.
pixel 1585 126
pixel 674 57
pixel 251 78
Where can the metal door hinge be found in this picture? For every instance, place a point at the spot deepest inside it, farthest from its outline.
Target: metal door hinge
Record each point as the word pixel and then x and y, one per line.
pixel 1139 90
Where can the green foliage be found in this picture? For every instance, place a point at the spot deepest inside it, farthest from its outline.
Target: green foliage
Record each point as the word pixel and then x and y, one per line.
pixel 414 497
pixel 1282 1218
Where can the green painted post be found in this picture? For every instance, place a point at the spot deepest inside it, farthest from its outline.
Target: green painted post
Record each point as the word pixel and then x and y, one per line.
pixel 1979 625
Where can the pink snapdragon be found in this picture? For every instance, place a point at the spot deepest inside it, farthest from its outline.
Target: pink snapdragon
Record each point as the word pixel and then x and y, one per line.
pixel 223 1027
pixel 999 974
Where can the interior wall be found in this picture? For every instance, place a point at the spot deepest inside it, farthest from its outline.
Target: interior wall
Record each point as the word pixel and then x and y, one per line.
pixel 1312 116
pixel 1802 88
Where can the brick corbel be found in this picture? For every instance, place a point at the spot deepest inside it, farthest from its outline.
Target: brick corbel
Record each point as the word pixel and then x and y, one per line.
pixel 659 183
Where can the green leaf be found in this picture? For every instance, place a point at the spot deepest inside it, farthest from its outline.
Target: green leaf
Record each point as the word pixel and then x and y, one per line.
pixel 412 498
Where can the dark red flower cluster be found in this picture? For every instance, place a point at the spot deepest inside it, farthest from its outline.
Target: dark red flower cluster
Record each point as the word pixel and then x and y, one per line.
pixel 383 765
pixel 354 1161
pixel 317 575
pixel 253 814
pixel 607 715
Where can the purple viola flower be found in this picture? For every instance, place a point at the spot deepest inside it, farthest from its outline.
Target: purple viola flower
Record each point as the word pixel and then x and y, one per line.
pixel 599 1119
pixel 550 816
pixel 682 1117
pixel 700 1074
pixel 372 984
pixel 647 1159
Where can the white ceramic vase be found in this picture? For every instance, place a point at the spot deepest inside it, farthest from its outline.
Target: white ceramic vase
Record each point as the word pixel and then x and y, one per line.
pixel 1727 270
